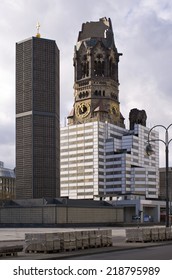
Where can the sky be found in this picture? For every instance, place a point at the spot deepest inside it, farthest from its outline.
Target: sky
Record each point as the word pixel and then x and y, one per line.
pixel 142 32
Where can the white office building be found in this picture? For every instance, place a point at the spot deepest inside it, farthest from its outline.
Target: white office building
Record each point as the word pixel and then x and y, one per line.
pixel 104 161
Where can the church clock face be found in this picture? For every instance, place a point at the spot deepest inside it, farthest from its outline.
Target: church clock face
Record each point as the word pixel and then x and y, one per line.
pixel 82 110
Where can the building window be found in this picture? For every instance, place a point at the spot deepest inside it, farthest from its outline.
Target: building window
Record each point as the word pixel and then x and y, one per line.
pixel 99 66
pixel 85 67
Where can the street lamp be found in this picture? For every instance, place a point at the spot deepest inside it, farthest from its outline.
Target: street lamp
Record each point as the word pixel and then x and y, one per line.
pixel 150 151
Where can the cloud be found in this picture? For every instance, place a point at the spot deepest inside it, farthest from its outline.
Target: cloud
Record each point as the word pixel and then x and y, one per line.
pixel 142 32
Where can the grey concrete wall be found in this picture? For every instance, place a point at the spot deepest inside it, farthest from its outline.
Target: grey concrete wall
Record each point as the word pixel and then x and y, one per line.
pixel 59 215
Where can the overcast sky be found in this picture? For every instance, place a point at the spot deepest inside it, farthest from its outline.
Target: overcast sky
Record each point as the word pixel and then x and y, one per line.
pixel 142 31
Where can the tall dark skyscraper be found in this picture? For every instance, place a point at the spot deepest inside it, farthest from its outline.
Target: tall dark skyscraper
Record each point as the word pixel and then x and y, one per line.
pixel 37 119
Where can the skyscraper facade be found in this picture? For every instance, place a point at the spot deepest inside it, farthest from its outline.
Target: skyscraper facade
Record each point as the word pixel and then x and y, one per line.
pixel 37 118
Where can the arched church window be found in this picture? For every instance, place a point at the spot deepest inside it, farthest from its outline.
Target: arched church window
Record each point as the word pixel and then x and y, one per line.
pixel 111 67
pixel 83 94
pixel 99 65
pixel 85 67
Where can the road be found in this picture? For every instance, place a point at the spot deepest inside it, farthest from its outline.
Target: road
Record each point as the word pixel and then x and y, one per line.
pixel 149 253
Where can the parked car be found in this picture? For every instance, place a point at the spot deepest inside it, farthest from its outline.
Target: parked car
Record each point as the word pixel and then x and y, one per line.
pixel 147 218
pixel 135 217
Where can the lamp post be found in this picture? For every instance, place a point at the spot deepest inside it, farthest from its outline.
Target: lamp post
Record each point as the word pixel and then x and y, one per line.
pixel 150 151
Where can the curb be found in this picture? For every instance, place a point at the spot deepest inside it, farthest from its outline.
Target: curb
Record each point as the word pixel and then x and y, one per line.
pixel 105 250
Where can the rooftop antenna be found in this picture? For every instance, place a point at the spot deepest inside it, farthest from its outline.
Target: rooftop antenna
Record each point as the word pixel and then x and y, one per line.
pixel 38 35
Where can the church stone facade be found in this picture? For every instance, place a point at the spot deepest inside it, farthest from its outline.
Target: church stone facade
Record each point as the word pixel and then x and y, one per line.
pixel 96 93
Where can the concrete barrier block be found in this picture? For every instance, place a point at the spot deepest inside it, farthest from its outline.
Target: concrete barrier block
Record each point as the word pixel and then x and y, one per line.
pixel 66 236
pixel 104 238
pixel 72 236
pixel 138 235
pixel 162 235
pixel 40 247
pixel 85 239
pixel 146 234
pixel 168 233
pixel 49 236
pixel 56 245
pixel 98 237
pixel 109 237
pixel 69 245
pixel 79 244
pixel 92 241
pixel 154 234
pixel 130 234
pixel 78 235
